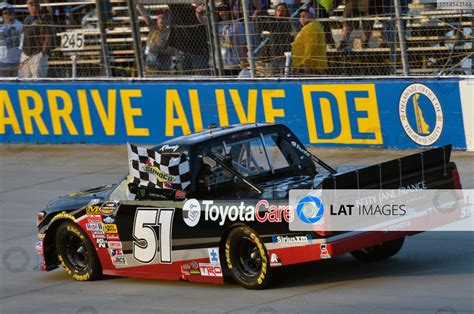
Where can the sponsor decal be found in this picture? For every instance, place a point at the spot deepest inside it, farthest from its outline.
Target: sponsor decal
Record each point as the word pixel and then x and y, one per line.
pixel 300 149
pixel 108 220
pixel 160 176
pixel 63 215
pixel 93 210
pixel 112 236
pixel 94 218
pixel 262 212
pixel 324 251
pixel 115 245
pixel 214 256
pixel 94 226
pixel 306 239
pixel 190 269
pixel 119 260
pixel 275 260
pixel 169 147
pixel 101 243
pixel 210 270
pixel 39 244
pixel 180 195
pixel 108 208
pixel 110 228
pixel 94 201
pixel 421 114
pixel 116 252
pixel 98 235
pixel 191 212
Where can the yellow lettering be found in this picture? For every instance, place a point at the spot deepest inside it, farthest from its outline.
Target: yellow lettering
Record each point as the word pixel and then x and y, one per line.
pixel 58 114
pixel 251 106
pixel 174 102
pixel 328 119
pixel 30 114
pixel 10 118
pixel 336 115
pixel 86 117
pixel 108 121
pixel 196 110
pixel 129 112
pixel 222 107
pixel 270 112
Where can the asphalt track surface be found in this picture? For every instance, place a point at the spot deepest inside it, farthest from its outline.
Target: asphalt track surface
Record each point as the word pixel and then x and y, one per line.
pixel 432 274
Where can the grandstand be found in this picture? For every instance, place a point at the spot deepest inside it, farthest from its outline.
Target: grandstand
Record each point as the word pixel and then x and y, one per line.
pixel 439 42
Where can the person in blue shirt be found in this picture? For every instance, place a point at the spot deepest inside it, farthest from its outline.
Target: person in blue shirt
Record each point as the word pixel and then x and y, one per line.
pixel 10 39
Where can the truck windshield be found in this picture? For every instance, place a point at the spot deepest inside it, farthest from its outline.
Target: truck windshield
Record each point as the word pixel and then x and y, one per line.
pixel 256 155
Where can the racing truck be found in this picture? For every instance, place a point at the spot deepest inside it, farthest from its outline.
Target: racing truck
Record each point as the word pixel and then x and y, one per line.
pixel 210 207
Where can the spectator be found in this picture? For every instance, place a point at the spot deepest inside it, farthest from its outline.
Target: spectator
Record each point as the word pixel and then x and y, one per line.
pixel 292 5
pixel 157 53
pixel 37 36
pixel 189 35
pixel 281 37
pixel 309 48
pixel 357 8
pixel 10 36
pixel 232 41
pixel 322 9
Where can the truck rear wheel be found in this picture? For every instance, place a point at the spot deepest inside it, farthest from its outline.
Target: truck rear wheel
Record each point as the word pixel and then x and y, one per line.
pixel 247 258
pixel 379 252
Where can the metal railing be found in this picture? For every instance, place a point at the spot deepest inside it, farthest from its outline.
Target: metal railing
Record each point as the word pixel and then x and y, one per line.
pixel 179 38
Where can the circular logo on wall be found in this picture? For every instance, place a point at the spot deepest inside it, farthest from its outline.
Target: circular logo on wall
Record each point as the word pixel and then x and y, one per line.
pixel 191 212
pixel 421 114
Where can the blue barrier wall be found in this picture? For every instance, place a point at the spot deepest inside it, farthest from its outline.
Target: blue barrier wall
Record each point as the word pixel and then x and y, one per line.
pixel 357 113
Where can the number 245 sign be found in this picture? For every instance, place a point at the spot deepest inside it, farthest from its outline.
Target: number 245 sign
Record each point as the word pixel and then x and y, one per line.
pixel 72 40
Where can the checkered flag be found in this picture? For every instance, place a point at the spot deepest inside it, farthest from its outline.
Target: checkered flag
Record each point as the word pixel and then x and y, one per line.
pixel 159 171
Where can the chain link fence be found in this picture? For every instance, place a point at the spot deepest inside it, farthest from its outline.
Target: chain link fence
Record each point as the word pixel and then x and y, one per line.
pixel 245 38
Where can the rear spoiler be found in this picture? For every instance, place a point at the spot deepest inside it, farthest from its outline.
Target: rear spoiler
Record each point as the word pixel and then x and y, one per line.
pixel 395 173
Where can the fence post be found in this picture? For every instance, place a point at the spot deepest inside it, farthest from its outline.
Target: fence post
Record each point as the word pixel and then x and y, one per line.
pixel 401 37
pixel 248 38
pixel 137 38
pixel 103 36
pixel 210 39
pixel 215 37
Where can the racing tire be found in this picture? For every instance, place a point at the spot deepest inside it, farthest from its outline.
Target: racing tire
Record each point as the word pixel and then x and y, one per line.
pixel 76 253
pixel 379 252
pixel 247 258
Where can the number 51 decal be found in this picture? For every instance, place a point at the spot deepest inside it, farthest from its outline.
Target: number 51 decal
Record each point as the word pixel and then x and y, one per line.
pixel 145 244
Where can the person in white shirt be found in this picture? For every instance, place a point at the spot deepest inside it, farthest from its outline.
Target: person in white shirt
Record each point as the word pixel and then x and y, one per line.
pixel 10 39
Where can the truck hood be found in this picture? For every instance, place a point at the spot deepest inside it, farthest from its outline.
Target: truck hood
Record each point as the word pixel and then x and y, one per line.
pixel 79 199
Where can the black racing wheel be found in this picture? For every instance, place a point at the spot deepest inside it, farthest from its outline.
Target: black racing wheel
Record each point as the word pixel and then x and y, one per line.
pixel 247 259
pixel 76 253
pixel 379 252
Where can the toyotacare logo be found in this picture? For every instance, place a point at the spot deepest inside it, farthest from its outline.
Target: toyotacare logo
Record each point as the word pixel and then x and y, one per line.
pixel 262 212
pixel 310 209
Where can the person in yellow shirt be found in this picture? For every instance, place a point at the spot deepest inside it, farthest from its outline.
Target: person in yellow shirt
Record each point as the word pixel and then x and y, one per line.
pixel 308 50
